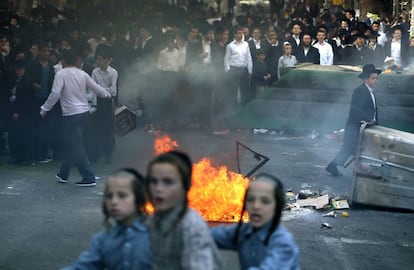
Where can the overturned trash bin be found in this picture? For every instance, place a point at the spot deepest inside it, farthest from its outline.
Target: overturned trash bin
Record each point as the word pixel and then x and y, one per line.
pixel 125 120
pixel 384 168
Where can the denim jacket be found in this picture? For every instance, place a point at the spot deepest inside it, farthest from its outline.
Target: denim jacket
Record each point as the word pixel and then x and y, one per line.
pixel 280 253
pixel 120 248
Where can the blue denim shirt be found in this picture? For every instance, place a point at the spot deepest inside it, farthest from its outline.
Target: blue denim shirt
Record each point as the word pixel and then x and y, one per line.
pixel 280 253
pixel 120 248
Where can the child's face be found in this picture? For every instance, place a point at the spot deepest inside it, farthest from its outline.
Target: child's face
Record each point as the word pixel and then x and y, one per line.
pixel 260 203
pixel 288 49
pixel 261 57
pixel 102 62
pixel 165 186
pixel 120 200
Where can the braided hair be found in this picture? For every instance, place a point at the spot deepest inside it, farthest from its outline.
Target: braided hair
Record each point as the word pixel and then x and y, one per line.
pixel 279 196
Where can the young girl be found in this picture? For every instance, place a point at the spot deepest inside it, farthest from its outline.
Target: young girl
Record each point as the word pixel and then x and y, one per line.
pixel 180 238
pixel 126 244
pixel 262 243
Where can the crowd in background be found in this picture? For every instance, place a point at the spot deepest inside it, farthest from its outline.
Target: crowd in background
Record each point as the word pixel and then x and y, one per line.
pixel 189 58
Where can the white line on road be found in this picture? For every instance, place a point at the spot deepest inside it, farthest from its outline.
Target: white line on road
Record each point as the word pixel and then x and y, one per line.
pixel 345 240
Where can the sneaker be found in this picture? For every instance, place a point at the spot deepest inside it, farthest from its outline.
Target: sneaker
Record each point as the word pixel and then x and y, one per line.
pixel 60 179
pixel 86 183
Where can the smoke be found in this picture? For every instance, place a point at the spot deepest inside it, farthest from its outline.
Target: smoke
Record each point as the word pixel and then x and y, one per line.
pixel 180 97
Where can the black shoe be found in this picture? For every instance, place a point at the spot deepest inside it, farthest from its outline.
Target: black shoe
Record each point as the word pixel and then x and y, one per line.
pixel 61 179
pixel 86 183
pixel 332 169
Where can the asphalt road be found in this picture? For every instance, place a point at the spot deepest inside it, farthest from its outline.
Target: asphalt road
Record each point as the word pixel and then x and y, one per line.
pixel 45 225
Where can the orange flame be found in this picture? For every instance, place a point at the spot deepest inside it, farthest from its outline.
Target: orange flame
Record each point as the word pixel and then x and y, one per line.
pixel 216 193
pixel 164 144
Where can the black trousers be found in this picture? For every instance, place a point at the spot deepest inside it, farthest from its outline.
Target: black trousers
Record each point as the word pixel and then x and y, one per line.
pixel 239 77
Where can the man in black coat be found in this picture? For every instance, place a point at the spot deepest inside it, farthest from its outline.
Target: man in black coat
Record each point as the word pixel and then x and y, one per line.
pixel 296 36
pixel 357 54
pixel 307 53
pixel 376 52
pixel 363 108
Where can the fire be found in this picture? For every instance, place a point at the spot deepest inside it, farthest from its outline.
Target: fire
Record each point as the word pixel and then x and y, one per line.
pixel 164 144
pixel 216 192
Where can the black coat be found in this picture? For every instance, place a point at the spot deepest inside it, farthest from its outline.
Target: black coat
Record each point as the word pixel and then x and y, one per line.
pixel 295 46
pixel 376 56
pixel 312 56
pixel 362 109
pixel 24 104
pixel 273 54
pixel 253 50
pixel 350 55
pixel 34 69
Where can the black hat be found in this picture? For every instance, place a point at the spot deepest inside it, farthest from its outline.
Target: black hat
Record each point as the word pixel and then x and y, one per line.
pixel 342 32
pixel 358 35
pixel 373 35
pixel 367 70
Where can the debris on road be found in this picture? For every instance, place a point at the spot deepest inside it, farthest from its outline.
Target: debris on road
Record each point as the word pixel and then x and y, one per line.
pixel 339 204
pixel 317 202
pixel 330 214
pixel 345 214
pixel 326 226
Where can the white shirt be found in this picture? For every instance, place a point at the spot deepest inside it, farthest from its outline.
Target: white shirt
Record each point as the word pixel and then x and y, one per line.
pixel 169 60
pixel 207 49
pixel 257 44
pixel 325 52
pixel 238 55
pixel 306 50
pixel 382 38
pixel 396 52
pixel 182 54
pixel 297 39
pixel 70 86
pixel 107 79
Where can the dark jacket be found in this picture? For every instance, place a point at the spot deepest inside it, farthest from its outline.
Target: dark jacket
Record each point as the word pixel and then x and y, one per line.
pixel 253 50
pixel 24 103
pixel 295 46
pixel 35 71
pixel 376 56
pixel 362 109
pixel 350 55
pixel 312 56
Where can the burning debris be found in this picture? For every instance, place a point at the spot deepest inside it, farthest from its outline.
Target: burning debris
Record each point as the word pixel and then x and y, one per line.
pixel 216 193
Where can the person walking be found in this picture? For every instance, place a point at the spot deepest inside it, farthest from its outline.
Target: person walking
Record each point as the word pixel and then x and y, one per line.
pixel 70 86
pixel 363 108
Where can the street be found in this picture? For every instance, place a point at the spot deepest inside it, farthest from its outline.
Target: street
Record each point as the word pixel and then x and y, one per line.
pixel 46 225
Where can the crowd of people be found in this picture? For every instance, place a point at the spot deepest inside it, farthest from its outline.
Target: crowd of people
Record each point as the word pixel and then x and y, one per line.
pixel 194 62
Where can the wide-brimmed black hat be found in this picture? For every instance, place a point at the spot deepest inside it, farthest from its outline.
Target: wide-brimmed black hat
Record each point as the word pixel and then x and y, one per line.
pixel 367 70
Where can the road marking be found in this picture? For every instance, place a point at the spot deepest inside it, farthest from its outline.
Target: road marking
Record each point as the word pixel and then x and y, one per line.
pixel 337 246
pixel 345 240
